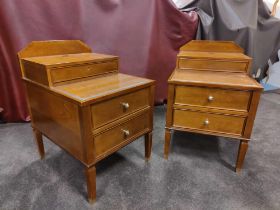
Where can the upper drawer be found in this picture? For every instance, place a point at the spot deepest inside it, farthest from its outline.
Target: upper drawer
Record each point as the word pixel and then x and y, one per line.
pixel 112 109
pixel 214 65
pixel 81 71
pixel 212 97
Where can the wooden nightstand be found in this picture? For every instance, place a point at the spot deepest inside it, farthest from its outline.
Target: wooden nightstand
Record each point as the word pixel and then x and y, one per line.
pixel 80 102
pixel 210 92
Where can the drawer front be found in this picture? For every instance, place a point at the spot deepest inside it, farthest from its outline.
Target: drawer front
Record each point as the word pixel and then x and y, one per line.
pixel 81 71
pixel 209 122
pixel 112 109
pixel 113 139
pixel 212 65
pixel 212 97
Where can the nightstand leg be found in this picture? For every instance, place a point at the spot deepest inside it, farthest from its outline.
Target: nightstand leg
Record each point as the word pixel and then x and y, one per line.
pixel 243 146
pixel 148 145
pixel 91 183
pixel 39 142
pixel 167 143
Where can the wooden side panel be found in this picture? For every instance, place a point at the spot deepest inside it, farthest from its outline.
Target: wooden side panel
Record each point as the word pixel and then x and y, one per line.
pixel 86 134
pixel 35 73
pixel 252 114
pixel 170 102
pixel 152 102
pixel 56 118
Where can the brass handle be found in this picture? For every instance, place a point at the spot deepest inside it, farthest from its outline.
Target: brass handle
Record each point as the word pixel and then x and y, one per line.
pixel 125 105
pixel 210 98
pixel 125 132
pixel 206 122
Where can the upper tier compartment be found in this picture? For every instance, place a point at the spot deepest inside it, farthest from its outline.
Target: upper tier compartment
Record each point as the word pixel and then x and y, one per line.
pixel 212 46
pixel 57 62
pixel 213 56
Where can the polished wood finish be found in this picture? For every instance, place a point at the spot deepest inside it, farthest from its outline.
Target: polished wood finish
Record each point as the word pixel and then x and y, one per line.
pixel 73 72
pixel 89 91
pixel 39 142
pixel 81 102
pixel 52 70
pixel 148 145
pixel 47 48
pixel 111 109
pixel 226 80
pixel 215 65
pixel 208 121
pixel 252 114
pixel 243 147
pixel 56 118
pixel 210 46
pixel 211 93
pixel 213 60
pixel 212 97
pixel 224 56
pixel 167 143
pixel 91 184
pixel 106 141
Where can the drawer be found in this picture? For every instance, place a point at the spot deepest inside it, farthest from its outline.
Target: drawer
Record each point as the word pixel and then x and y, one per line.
pixel 81 71
pixel 112 109
pixel 209 122
pixel 218 65
pixel 212 97
pixel 115 138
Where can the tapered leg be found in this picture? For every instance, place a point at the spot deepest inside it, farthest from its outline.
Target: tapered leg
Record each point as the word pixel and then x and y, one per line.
pixel 39 142
pixel 91 183
pixel 243 146
pixel 148 145
pixel 167 143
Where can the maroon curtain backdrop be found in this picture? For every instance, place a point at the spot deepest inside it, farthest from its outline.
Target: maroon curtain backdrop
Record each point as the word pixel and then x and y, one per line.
pixel 145 34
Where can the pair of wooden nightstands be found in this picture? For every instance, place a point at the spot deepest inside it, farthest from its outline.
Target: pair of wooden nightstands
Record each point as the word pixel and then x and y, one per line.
pixel 80 101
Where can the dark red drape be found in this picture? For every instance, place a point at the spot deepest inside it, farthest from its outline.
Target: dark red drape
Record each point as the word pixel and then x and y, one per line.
pixel 145 34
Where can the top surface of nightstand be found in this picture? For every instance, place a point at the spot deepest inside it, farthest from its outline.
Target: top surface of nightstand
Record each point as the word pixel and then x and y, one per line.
pixel 214 79
pixel 69 59
pixel 212 46
pixel 212 55
pixel 95 89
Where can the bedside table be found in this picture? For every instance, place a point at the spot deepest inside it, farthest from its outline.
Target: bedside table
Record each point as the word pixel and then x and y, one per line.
pixel 211 93
pixel 80 102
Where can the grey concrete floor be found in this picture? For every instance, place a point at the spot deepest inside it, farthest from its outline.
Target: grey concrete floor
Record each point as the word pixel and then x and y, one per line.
pixel 198 175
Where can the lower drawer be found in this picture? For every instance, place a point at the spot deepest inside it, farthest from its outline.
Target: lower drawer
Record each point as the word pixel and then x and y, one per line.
pixel 209 122
pixel 115 138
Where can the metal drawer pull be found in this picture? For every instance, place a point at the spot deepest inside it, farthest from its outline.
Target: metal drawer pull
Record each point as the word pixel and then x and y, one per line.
pixel 210 98
pixel 125 105
pixel 125 132
pixel 206 122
